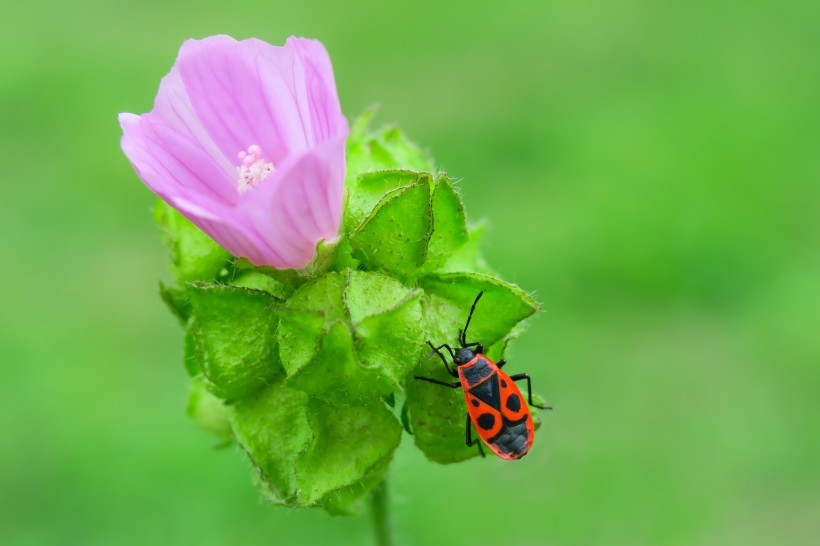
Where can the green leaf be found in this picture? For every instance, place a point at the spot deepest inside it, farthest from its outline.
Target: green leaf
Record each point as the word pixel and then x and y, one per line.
pixel 449 225
pixel 177 301
pixel 397 225
pixel 273 429
pixel 287 277
pixel 336 374
pixel 496 351
pixel 404 153
pixel 189 357
pixel 366 190
pixel 359 127
pixel 300 337
pixel 305 319
pixel 449 296
pixel 394 237
pixel 392 341
pixel 194 255
pixel 261 281
pixel 310 453
pixel 207 410
pixel 350 336
pixel 468 258
pixel 437 414
pixel 349 500
pixel 234 338
pixel 387 148
pixel 350 441
pixel 370 294
pixel 377 162
pixel 344 256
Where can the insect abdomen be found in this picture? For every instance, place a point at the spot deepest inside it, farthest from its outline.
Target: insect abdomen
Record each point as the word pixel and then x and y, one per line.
pixel 513 439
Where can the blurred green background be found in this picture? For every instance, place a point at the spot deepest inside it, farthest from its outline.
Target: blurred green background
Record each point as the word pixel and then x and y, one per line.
pixel 651 171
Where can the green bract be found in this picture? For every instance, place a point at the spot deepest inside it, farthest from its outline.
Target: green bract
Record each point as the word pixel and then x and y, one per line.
pixel 311 371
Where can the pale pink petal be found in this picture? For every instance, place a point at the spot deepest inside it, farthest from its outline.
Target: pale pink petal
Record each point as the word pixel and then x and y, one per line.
pixel 180 129
pixel 238 239
pixel 323 109
pixel 302 204
pixel 240 98
pixel 170 165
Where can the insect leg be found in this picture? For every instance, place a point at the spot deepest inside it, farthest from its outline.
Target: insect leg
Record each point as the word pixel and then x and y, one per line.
pixel 442 346
pixel 519 377
pixel 470 437
pixel 455 385
pixel 500 363
pixel 437 350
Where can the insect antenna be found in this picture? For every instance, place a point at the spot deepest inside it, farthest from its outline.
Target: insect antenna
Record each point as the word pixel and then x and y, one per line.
pixel 463 333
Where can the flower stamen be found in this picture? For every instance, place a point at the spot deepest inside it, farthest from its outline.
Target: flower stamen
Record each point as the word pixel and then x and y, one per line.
pixel 253 169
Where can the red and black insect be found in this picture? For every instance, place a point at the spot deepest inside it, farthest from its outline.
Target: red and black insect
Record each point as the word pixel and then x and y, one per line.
pixel 494 404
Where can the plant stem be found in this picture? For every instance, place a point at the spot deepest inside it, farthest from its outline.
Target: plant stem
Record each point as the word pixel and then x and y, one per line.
pixel 381 515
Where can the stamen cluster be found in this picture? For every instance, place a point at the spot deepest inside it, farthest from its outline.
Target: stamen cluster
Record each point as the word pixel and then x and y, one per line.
pixel 253 169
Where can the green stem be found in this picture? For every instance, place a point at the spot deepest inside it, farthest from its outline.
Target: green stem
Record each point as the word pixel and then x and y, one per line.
pixel 381 515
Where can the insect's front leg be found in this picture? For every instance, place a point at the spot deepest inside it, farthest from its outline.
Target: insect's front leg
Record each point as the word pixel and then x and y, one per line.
pixel 437 350
pixel 520 376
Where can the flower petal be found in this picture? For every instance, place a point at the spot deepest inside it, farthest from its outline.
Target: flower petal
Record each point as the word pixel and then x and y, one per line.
pixel 300 205
pixel 251 92
pixel 321 103
pixel 233 234
pixel 169 167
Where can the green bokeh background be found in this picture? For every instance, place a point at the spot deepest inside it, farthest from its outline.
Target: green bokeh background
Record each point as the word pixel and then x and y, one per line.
pixel 650 170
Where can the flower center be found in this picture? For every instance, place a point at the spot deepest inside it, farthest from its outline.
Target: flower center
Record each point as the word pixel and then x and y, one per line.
pixel 253 169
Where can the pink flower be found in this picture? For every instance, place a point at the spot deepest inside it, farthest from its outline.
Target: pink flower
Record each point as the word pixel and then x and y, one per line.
pixel 247 140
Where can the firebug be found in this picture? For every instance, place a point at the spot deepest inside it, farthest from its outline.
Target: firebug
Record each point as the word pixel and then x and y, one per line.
pixel 494 404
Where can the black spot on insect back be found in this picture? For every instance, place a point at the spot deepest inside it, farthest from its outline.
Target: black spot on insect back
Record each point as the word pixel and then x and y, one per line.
pixel 514 403
pixel 486 421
